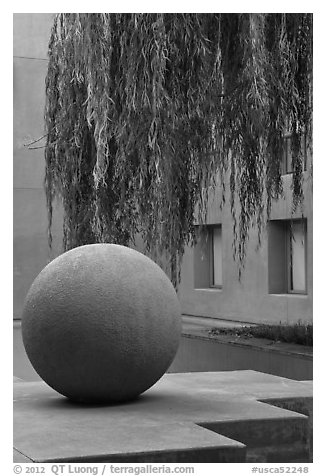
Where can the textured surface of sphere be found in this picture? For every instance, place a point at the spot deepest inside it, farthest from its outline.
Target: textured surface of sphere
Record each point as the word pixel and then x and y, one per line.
pixel 101 323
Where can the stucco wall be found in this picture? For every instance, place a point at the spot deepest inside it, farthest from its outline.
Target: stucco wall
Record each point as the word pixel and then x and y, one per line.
pixel 30 248
pixel 249 300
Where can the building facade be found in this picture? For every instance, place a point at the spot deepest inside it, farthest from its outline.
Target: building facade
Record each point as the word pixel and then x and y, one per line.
pixel 30 247
pixel 277 281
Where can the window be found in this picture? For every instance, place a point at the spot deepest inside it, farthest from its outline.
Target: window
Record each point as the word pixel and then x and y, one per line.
pixel 208 257
pixel 297 257
pixel 287 261
pixel 287 155
pixel 216 260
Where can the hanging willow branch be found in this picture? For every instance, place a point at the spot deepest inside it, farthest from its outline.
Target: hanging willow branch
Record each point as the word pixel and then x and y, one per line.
pixel 145 111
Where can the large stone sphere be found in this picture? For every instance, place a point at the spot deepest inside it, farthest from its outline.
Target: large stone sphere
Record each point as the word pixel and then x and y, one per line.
pixel 101 323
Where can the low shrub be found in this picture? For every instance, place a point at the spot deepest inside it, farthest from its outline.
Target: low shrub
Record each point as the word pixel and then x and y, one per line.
pixel 298 333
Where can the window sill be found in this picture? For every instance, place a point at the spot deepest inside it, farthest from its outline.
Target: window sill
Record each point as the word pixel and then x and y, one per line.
pixel 212 289
pixel 292 295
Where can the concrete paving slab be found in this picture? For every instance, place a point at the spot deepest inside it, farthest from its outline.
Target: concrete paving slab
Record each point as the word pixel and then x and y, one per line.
pixel 196 417
pixel 20 458
pixel 133 443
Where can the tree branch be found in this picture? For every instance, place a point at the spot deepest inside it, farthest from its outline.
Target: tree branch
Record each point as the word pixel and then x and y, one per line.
pixel 34 142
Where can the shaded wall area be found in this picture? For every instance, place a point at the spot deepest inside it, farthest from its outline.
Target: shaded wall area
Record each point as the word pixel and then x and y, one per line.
pixel 30 248
pixel 205 355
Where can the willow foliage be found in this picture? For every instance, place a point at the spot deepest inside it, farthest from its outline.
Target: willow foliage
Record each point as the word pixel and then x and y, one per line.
pixel 147 112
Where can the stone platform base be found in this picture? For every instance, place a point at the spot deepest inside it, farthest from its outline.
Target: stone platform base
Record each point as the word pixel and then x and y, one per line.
pixel 204 417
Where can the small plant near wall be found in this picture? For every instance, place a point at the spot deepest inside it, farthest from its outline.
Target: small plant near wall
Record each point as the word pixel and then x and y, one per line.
pixel 298 333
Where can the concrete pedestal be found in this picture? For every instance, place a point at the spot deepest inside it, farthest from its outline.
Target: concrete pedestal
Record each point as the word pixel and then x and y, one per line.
pixel 195 417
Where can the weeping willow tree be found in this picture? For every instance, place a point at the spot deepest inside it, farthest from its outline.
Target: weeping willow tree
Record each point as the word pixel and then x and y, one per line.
pixel 145 113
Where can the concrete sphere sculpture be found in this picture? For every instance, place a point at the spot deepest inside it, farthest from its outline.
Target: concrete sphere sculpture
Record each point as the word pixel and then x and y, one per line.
pixel 101 323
